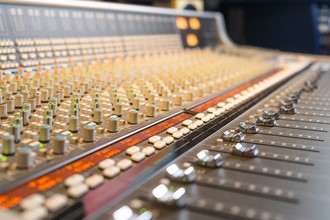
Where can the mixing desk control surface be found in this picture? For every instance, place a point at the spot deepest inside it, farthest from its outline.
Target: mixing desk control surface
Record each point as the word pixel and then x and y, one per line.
pixel 123 112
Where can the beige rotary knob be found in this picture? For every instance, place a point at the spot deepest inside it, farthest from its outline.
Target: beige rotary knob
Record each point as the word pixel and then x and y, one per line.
pixel 89 133
pixel 113 124
pixel 133 116
pixel 60 144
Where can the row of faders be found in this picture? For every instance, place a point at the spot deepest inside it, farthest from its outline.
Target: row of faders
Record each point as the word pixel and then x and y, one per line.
pixel 269 163
pixel 51 116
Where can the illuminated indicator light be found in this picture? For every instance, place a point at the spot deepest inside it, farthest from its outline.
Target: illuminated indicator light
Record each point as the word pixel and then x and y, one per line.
pixel 142 210
pixel 192 40
pixel 194 23
pixel 41 145
pixel 181 23
pixel 71 134
pixel 3 158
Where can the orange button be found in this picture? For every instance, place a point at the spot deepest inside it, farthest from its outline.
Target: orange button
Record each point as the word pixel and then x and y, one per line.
pixel 192 40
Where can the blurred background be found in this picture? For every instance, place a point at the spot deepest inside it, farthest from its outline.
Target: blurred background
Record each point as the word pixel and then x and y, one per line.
pixel 289 25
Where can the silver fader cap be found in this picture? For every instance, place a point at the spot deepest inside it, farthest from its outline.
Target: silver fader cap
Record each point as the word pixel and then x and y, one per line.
pixel 133 116
pixel 60 144
pixel 185 174
pixel 44 134
pixel 169 196
pixel 89 133
pixel 25 157
pixel 113 124
pixel 8 145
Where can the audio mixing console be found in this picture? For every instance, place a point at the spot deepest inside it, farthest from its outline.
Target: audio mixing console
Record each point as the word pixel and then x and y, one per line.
pixel 122 112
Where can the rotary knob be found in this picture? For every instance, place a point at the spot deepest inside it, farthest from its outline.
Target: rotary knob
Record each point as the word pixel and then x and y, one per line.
pixel 15 130
pixel 8 145
pixel 151 110
pixel 44 134
pixel 113 124
pixel 98 116
pixel 74 124
pixel 133 116
pixel 60 144
pixel 89 133
pixel 25 157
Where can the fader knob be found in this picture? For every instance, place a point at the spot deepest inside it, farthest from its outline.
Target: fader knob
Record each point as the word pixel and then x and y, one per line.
pixel 113 124
pixel 60 144
pixel 44 134
pixel 25 157
pixel 133 116
pixel 8 145
pixel 89 133
pixel 74 124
